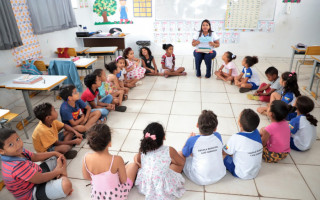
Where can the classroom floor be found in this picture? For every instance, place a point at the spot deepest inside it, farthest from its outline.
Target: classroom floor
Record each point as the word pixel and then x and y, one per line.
pixel 176 102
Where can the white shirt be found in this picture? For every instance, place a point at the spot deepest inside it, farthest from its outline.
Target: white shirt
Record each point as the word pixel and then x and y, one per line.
pixel 304 134
pixel 205 166
pixel 246 149
pixel 123 72
pixel 204 40
pixel 276 85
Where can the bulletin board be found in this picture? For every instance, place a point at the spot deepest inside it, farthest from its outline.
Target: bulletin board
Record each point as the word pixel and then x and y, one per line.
pixel 204 9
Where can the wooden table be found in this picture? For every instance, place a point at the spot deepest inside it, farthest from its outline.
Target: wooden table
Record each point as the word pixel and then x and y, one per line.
pixel 296 51
pixel 4 78
pixel 49 82
pixel 105 41
pixel 79 50
pixel 81 63
pixel 316 63
pixel 3 112
pixel 99 51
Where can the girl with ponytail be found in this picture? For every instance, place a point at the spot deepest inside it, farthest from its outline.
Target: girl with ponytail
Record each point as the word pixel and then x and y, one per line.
pixel 160 174
pixel 303 127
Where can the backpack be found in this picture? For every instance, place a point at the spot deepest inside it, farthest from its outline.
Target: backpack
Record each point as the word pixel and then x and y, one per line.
pixel 30 68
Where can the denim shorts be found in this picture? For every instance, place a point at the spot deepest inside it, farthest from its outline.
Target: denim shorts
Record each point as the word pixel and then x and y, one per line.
pixel 60 138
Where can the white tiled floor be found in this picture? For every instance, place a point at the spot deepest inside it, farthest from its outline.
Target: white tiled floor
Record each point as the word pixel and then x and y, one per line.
pixel 176 103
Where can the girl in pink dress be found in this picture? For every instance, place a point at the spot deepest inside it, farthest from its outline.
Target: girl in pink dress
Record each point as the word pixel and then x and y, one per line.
pixel 110 177
pixel 133 68
pixel 231 70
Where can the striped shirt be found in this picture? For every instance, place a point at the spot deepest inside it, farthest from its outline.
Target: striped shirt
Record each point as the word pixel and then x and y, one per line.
pixel 16 173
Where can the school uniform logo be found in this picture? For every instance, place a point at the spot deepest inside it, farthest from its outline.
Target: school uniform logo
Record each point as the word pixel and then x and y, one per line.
pixel 291 127
pixel 226 147
pixel 287 98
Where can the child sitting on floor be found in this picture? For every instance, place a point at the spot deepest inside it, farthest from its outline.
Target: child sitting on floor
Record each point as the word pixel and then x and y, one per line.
pixel 70 110
pixel 113 85
pixel 133 68
pixel 117 181
pixel 204 162
pixel 303 127
pixel 27 180
pixel 289 93
pixel 244 149
pixel 248 78
pixel 124 81
pixel 146 62
pixel 265 90
pixel 47 136
pixel 160 174
pixel 168 63
pixel 231 68
pixel 276 136
pixel 92 97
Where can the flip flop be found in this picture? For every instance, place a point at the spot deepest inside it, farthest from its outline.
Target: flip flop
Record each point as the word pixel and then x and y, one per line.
pixel 250 96
pixel 243 90
pixel 121 108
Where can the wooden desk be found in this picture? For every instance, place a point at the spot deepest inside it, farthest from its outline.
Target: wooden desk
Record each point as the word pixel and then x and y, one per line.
pixel 316 63
pixel 81 63
pixel 95 41
pixel 296 51
pixel 99 51
pixel 79 50
pixel 4 78
pixel 48 83
pixel 3 112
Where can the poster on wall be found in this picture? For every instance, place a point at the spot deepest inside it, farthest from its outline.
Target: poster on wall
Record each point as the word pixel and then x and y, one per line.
pixel 142 8
pixel 31 46
pixel 111 12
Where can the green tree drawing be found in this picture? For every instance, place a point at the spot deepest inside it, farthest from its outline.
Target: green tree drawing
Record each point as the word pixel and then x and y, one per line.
pixel 105 8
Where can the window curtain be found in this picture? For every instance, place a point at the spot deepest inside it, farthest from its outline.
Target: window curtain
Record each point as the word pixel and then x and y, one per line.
pixel 9 32
pixel 51 15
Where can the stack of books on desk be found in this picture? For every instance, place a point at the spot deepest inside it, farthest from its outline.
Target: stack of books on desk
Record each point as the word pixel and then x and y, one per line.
pixel 27 79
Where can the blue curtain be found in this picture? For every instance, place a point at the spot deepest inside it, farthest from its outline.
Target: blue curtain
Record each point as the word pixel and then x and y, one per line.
pixel 51 15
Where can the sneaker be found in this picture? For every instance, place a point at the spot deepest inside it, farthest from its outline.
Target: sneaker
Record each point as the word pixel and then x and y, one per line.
pixel 71 154
pixel 121 108
pixel 243 90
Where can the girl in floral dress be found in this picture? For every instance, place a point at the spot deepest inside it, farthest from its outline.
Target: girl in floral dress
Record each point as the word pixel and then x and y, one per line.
pixel 160 174
pixel 133 68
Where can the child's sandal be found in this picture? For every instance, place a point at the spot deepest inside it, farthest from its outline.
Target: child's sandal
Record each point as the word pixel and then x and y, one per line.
pixel 125 97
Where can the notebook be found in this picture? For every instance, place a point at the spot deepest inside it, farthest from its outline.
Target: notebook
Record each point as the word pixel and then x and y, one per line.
pixel 27 79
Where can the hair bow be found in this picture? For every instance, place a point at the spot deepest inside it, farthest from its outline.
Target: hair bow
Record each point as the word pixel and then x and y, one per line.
pixel 118 58
pixel 233 56
pixel 153 137
pixel 292 73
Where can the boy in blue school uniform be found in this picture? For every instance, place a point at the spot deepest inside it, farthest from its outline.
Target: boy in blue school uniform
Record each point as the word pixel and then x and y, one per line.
pixel 245 147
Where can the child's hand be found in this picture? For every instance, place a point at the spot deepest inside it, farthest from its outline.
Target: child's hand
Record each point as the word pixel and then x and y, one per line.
pixel 211 44
pixel 78 135
pixel 110 107
pixel 77 141
pixel 57 154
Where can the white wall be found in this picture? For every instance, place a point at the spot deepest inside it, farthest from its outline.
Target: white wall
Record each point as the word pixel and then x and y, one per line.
pixel 302 25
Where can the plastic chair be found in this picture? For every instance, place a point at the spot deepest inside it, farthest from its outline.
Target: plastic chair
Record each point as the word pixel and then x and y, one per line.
pixel 7 118
pixel 311 50
pixel 214 65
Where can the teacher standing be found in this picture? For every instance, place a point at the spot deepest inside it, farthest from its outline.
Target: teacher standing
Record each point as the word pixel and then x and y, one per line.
pixel 205 39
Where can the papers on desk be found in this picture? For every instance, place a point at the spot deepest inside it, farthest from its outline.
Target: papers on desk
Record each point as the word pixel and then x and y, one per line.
pixel 27 79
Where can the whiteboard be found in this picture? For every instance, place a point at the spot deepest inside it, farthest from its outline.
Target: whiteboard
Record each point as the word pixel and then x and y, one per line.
pixel 204 9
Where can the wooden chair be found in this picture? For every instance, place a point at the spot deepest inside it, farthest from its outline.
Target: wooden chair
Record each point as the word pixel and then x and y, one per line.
pixel 72 52
pixel 311 50
pixel 7 118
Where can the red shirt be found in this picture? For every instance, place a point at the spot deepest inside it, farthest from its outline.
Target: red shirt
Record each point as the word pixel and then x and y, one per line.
pixel 16 173
pixel 88 95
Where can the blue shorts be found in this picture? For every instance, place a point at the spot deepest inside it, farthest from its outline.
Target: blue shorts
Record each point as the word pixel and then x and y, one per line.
pixel 60 138
pixel 228 162
pixel 254 86
pixel 292 146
